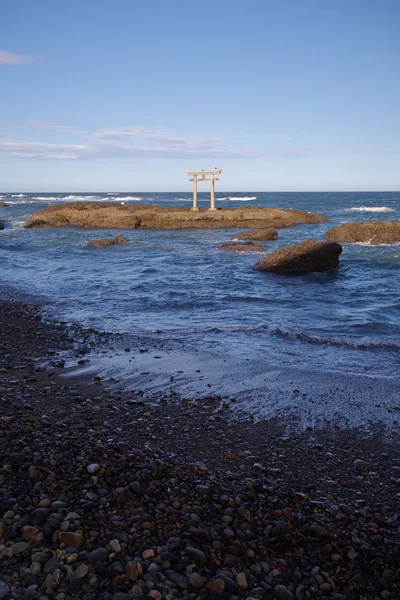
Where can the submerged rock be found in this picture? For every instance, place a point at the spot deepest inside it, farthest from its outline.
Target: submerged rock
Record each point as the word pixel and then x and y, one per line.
pixel 120 239
pixel 117 216
pixel 367 232
pixel 261 235
pixel 245 247
pixel 307 257
pixel 2 226
pixel 3 204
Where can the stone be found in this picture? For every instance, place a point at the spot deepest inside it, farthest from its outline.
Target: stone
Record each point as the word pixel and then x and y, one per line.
pixel 3 204
pixel 195 554
pixel 71 538
pixel 241 581
pixel 242 247
pixel 51 565
pixel 93 468
pixel 135 487
pixel 38 516
pixel 32 534
pixel 114 545
pixel 307 257
pixel 148 554
pixel 196 580
pixel 261 235
pixel 318 531
pixel 367 232
pixel 202 489
pixel 81 571
pixel 19 547
pixel 216 585
pixel 100 554
pixel 119 239
pixel 102 215
pixel 282 593
pixel 4 589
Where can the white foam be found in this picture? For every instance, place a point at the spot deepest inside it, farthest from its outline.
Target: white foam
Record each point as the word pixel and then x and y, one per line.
pixel 125 198
pixel 17 195
pixel 369 209
pixel 241 198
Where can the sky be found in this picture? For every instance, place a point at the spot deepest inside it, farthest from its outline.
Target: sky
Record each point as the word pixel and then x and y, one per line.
pixel 129 95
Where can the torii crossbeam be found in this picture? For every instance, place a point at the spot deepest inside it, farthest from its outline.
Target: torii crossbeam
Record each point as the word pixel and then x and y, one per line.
pixel 204 176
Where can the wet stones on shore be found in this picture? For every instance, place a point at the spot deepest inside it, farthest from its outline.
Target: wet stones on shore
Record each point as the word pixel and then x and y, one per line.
pixel 99 501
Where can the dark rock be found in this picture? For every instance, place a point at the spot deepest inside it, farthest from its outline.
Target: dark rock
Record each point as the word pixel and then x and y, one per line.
pixel 306 257
pixel 100 554
pixel 135 487
pixel 195 554
pixel 244 247
pixel 367 232
pixel 120 239
pixel 51 565
pixel 260 235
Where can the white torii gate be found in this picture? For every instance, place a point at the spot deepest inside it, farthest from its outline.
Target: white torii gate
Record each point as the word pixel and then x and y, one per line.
pixel 204 176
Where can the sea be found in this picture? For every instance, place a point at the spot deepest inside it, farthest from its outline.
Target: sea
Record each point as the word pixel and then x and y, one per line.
pixel 322 346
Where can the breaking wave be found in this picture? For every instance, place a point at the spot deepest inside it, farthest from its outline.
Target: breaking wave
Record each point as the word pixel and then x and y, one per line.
pixel 369 209
pixel 241 198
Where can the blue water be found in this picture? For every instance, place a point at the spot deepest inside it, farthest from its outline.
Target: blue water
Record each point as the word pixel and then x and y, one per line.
pixel 175 284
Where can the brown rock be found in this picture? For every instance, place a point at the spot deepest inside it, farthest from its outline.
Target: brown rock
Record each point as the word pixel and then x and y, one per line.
pixel 245 247
pixel 3 529
pixel 117 216
pixel 368 232
pixel 120 239
pixel 71 538
pixel 132 572
pixel 306 257
pixel 3 204
pixel 261 235
pixel 32 534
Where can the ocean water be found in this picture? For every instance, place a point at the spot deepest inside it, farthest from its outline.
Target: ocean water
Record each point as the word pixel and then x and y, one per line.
pixel 176 287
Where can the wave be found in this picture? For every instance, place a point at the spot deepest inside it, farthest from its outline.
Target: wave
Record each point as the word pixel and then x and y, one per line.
pixel 17 195
pixel 355 343
pixel 369 209
pixel 242 198
pixel 125 198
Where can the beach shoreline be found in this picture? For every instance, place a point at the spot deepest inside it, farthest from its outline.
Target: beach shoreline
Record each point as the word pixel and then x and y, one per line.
pixel 90 436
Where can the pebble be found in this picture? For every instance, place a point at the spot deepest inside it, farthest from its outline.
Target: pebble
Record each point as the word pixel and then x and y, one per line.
pixel 282 593
pixel 100 554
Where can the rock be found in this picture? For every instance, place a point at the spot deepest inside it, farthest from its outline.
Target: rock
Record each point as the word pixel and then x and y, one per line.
pixel 81 571
pixel 261 235
pixel 38 516
pixel 106 216
pixel 32 534
pixel 115 546
pixel 93 468
pixel 318 531
pixel 306 257
pixel 244 247
pixel 19 547
pixel 3 204
pixel 282 593
pixel 135 487
pixel 241 581
pixel 195 554
pixel 2 225
pixel 120 239
pixel 100 554
pixel 4 589
pixel 148 554
pixel 196 580
pixel 51 565
pixel 216 585
pixel 71 538
pixel 367 232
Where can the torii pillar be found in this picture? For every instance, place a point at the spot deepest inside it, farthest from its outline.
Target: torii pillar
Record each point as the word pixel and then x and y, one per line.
pixel 204 176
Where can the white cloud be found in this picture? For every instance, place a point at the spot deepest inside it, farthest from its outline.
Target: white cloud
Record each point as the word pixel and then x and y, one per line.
pixel 9 58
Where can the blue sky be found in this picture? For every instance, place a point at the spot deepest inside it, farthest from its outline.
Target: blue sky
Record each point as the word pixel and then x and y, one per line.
pixel 283 95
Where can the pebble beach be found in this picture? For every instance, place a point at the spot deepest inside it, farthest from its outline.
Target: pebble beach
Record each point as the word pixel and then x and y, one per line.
pixel 108 495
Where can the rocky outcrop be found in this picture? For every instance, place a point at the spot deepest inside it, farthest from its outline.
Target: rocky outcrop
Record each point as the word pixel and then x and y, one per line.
pixel 299 259
pixel 261 235
pixel 3 204
pixel 116 216
pixel 367 232
pixel 245 247
pixel 120 239
pixel 2 226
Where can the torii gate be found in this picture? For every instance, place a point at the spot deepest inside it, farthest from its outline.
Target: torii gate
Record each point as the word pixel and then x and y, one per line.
pixel 204 176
